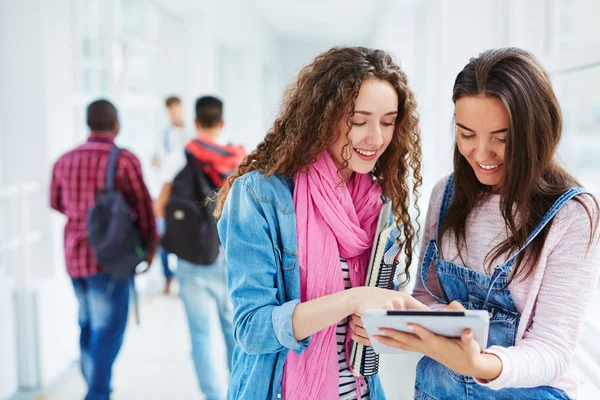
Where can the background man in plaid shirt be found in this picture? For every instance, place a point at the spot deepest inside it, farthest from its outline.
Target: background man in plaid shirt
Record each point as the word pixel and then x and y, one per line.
pixel 103 301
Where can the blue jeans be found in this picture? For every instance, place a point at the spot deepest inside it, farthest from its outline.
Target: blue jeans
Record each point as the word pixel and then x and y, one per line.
pixel 164 255
pixel 164 258
pixel 203 288
pixel 103 307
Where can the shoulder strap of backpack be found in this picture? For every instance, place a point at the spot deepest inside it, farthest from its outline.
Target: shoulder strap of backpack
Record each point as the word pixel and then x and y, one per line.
pixel 111 169
pixel 202 184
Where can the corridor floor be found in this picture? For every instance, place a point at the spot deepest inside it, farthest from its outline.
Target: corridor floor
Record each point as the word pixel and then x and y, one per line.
pixel 154 363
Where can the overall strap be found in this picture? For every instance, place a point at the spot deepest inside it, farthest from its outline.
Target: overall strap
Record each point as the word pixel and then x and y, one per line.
pixel 558 204
pixel 431 254
pixel 432 251
pixel 111 169
pixel 506 268
pixel 446 198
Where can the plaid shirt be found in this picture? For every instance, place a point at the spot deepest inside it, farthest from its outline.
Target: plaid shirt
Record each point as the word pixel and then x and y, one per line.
pixel 76 177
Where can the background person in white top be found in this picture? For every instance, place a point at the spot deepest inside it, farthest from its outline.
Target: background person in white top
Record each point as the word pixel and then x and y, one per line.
pixel 171 141
pixel 174 136
pixel 203 284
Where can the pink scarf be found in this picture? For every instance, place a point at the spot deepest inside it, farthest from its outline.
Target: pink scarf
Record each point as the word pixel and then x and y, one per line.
pixel 333 220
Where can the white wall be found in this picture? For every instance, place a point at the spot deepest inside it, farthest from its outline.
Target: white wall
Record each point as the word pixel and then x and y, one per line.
pixel 465 29
pixel 200 55
pixel 41 118
pixel 244 51
pixel 8 361
pixel 58 340
pixel 36 78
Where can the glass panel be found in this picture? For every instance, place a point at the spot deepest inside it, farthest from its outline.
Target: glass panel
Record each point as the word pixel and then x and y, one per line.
pixel 138 130
pixel 580 147
pixel 578 95
pixel 579 25
pixel 3 149
pixel 132 17
pixel 92 25
pixel 86 48
pixel 94 80
pixel 92 16
pixel 139 72
pixel 88 81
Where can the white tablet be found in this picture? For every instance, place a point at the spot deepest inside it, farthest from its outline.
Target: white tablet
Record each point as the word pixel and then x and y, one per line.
pixel 445 323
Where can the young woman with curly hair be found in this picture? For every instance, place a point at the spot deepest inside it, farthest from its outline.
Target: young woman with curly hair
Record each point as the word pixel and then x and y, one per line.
pixel 297 221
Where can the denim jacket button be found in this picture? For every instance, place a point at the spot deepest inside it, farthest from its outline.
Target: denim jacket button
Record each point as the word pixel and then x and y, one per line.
pixel 279 396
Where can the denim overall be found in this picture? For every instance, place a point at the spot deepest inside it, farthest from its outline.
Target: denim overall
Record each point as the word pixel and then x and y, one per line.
pixel 478 291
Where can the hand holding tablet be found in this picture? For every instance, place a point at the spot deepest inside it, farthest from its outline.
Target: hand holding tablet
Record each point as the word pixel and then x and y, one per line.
pixel 450 324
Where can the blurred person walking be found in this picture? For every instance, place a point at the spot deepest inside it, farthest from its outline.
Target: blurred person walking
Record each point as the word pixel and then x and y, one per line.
pixel 191 177
pixel 172 140
pixel 78 177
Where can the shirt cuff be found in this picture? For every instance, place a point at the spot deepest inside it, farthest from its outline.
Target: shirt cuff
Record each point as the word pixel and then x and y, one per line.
pixel 282 325
pixel 503 379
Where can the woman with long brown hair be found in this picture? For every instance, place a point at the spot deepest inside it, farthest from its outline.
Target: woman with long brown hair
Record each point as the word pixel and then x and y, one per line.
pixel 297 220
pixel 510 232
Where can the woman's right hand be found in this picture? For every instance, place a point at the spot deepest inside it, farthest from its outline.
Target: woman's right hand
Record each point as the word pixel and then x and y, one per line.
pixel 365 298
pixel 376 298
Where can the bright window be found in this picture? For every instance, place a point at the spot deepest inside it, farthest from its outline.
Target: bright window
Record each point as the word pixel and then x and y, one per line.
pixel 574 65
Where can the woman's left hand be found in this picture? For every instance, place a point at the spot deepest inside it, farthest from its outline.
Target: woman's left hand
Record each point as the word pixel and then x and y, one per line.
pixel 460 355
pixel 359 334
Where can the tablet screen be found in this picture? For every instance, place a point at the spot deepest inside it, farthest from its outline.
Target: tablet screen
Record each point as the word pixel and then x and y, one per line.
pixel 427 313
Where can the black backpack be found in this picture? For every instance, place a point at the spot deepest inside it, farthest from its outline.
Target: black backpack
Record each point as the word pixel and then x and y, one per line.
pixel 112 229
pixel 190 227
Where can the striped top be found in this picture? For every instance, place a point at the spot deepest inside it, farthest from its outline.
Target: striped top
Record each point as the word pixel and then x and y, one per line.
pixel 347 380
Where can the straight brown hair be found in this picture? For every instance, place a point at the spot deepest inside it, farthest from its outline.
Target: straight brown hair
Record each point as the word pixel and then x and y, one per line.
pixel 533 178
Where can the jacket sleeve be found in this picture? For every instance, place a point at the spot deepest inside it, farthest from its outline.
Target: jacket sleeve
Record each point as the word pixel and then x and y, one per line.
pixel 262 324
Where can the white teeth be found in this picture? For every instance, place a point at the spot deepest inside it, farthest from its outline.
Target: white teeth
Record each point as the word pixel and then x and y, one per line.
pixel 487 166
pixel 365 153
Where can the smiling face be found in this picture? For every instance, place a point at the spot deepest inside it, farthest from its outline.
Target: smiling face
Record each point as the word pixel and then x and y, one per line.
pixel 481 134
pixel 375 112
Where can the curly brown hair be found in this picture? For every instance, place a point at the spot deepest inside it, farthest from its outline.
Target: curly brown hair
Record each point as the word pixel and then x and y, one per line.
pixel 324 92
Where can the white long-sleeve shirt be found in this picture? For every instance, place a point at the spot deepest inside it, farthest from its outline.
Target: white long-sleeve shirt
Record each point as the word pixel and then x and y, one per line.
pixel 552 302
pixel 172 139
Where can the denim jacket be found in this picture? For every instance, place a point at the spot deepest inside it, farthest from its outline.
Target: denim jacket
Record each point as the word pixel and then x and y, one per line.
pixel 258 232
